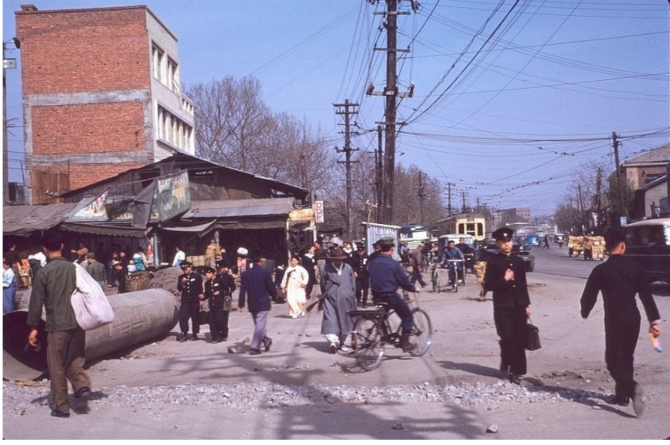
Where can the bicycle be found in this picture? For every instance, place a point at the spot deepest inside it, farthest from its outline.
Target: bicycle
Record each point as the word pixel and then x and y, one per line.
pixel 373 331
pixel 456 267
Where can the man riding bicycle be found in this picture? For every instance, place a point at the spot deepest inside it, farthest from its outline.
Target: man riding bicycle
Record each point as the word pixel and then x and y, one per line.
pixel 386 276
pixel 451 252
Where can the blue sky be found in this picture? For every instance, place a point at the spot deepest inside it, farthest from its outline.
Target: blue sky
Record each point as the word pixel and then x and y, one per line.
pixel 512 99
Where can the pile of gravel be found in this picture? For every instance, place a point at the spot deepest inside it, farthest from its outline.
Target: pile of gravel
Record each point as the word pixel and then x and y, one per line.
pixel 18 399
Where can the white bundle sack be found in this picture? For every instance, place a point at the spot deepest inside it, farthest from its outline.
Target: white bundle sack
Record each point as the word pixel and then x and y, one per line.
pixel 89 302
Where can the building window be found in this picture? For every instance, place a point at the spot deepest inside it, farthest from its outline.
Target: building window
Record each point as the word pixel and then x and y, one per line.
pixel 173 130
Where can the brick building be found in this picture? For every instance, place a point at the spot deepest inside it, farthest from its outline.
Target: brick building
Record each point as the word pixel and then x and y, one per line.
pixel 101 92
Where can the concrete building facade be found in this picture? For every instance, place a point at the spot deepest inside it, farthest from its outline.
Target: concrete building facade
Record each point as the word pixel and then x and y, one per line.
pixel 102 95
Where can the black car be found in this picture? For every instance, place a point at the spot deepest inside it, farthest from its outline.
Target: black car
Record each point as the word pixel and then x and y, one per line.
pixel 528 258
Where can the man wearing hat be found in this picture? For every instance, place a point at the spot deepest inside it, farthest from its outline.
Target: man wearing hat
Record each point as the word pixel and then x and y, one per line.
pixel 96 269
pixel 190 285
pixel 218 295
pixel 338 287
pixel 386 276
pixel 506 278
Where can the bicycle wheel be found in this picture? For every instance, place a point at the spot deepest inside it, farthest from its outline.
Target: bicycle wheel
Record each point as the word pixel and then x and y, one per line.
pixel 422 332
pixel 368 346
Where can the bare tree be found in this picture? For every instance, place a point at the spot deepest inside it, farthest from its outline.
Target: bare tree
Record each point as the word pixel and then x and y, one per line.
pixel 235 128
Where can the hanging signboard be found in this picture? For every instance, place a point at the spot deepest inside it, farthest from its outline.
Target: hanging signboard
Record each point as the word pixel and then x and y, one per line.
pixel 172 195
pixel 318 211
pixel 95 210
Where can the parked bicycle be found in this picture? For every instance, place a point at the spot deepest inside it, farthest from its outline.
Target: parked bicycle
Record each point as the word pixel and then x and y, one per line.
pixel 378 328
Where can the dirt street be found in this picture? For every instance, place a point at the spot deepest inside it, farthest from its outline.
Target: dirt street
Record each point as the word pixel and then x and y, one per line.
pixel 298 390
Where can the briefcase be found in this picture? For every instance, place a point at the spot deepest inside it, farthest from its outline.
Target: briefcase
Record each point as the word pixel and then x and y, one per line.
pixel 532 337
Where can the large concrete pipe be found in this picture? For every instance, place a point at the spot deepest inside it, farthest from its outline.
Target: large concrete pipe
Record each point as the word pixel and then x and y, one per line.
pixel 138 317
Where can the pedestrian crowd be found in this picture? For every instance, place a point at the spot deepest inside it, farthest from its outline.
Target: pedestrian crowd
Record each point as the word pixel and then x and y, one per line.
pixel 347 278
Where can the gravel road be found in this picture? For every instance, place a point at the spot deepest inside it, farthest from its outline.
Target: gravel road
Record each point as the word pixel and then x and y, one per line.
pixel 198 390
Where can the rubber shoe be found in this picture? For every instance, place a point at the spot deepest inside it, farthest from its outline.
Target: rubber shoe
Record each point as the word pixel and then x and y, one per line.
pixel 61 414
pixel 83 396
pixel 267 344
pixel 254 351
pixel 333 348
pixel 638 403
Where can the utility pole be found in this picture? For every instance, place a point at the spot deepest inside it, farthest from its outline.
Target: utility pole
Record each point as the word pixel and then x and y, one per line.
pixel 464 208
pixel 597 205
pixel 615 146
pixel 449 184
pixel 344 109
pixel 379 169
pixel 581 208
pixel 391 93
pixel 421 195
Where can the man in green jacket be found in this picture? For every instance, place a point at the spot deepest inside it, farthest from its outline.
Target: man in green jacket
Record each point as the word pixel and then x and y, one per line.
pixel 66 341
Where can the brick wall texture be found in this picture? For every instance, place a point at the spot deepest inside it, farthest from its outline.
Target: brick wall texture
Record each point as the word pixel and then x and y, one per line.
pixel 77 50
pixel 88 128
pixel 84 51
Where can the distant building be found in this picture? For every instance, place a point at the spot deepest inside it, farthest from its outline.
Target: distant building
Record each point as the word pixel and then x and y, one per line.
pixel 505 216
pixel 647 167
pixel 102 95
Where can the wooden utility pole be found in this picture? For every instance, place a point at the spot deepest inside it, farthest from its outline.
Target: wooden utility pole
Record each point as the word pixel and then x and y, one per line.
pixel 391 93
pixel 449 184
pixel 421 196
pixel 379 170
pixel 344 109
pixel 619 181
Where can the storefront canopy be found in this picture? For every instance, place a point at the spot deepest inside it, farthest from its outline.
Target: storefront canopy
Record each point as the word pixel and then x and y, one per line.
pixel 23 220
pixel 240 208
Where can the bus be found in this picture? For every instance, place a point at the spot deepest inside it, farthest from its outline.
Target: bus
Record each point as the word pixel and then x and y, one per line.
pixel 413 235
pixel 471 224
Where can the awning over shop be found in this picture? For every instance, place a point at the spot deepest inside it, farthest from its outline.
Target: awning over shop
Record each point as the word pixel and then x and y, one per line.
pixel 105 230
pixel 239 208
pixel 201 230
pixel 262 213
pixel 23 220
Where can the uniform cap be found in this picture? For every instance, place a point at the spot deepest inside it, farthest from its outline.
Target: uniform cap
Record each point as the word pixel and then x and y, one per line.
pixel 186 264
pixel 90 255
pixel 242 251
pixel 503 234
pixel 209 270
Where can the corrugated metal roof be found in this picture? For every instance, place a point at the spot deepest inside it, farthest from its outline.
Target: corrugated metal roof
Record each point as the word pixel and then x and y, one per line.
pixel 236 208
pixel 22 220
pixel 656 155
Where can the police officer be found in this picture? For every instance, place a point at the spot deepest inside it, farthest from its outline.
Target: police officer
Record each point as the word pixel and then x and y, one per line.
pixel 217 292
pixel 386 276
pixel 190 285
pixel 506 278
pixel 360 266
pixel 224 273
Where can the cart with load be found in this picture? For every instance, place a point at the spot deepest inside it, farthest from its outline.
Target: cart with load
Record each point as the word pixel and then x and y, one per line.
pixel 594 248
pixel 575 245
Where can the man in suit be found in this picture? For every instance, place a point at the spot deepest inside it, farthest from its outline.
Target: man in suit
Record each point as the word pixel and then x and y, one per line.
pixel 506 278
pixel 619 280
pixel 256 282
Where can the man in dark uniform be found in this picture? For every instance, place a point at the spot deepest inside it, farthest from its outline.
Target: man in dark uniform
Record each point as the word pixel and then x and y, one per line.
pixel 376 252
pixel 217 292
pixel 190 285
pixel 619 279
pixel 386 276
pixel 506 278
pixel 360 266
